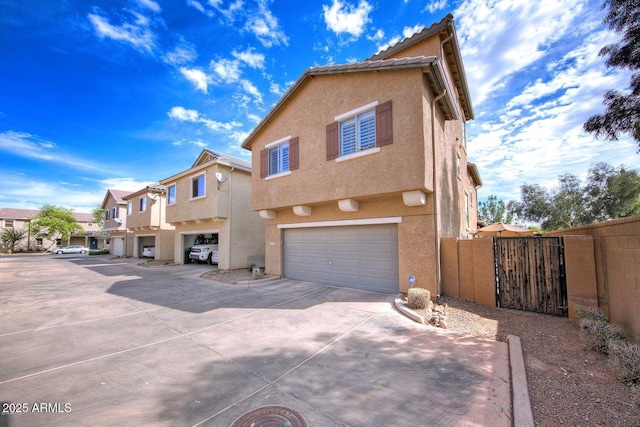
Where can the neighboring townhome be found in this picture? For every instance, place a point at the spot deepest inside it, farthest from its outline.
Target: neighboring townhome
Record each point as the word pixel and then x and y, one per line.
pixel 360 169
pixel 211 203
pixel 115 223
pixel 20 219
pixel 152 236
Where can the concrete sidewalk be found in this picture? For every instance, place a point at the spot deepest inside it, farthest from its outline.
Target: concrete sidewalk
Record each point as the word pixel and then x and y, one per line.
pixel 105 342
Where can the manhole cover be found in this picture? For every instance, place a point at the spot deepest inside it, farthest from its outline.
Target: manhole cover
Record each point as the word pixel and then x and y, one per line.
pixel 271 416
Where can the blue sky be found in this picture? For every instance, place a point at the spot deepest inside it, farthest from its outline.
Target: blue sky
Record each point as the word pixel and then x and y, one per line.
pixel 120 93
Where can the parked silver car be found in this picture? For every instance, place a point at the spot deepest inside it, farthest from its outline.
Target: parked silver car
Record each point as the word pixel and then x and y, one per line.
pixel 73 249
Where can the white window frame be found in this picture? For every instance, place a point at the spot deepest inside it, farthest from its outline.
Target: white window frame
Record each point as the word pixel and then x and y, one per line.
pixel 278 156
pixel 129 207
pixel 357 118
pixel 169 187
pixel 114 212
pixel 467 211
pixel 204 186
pixel 143 204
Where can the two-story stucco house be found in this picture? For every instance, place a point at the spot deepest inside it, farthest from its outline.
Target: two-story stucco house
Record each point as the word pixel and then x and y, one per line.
pixel 212 201
pixel 115 222
pixel 360 169
pixel 152 236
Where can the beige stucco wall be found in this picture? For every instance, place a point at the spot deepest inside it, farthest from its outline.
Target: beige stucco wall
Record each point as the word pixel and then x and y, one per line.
pixel 580 270
pixel 316 105
pixel 415 235
pixel 616 248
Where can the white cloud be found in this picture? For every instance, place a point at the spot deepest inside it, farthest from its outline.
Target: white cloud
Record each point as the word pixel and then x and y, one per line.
pixel 252 90
pixel 500 37
pixel 183 53
pixel 30 146
pixel 436 5
pixel 345 18
pixel 228 70
pixel 197 77
pixel 182 114
pixel 529 123
pixel 150 4
pixel 137 34
pixel 264 25
pixel 250 57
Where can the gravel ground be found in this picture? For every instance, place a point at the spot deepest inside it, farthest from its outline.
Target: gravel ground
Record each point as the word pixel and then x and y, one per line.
pixel 568 384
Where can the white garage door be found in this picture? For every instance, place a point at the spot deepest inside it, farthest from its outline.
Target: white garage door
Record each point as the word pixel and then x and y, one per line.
pixel 117 245
pixel 362 257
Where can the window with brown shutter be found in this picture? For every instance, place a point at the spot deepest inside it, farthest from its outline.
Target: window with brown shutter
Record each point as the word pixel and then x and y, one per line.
pixel 294 156
pixel 384 124
pixel 333 142
pixel 264 163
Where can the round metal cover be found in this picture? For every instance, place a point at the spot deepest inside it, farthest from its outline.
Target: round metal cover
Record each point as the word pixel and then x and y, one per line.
pixel 271 416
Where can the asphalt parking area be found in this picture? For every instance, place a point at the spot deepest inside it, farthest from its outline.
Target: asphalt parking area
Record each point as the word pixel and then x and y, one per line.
pixel 86 340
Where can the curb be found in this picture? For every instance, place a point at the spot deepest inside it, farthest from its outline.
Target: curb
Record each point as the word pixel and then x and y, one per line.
pixel 522 413
pixel 399 304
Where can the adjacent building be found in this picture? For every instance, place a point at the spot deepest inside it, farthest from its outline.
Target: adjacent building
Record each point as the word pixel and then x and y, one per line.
pixel 211 201
pixel 115 223
pixel 152 236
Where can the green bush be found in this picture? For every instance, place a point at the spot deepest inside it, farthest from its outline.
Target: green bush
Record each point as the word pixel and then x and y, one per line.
pixel 418 298
pixel 596 334
pixel 625 358
pixel 590 312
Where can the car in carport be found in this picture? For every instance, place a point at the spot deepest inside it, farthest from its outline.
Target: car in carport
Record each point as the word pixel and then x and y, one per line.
pixel 73 249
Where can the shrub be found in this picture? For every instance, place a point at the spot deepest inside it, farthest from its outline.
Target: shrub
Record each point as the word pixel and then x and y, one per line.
pixel 596 334
pixel 590 312
pixel 418 298
pixel 625 358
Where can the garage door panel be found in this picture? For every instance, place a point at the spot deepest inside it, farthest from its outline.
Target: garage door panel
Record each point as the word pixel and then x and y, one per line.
pixel 363 257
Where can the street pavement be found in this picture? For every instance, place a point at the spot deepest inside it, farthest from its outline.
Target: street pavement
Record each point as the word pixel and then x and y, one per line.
pixel 94 341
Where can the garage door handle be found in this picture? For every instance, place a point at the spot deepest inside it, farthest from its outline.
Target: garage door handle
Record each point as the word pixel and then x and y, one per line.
pixel 330 262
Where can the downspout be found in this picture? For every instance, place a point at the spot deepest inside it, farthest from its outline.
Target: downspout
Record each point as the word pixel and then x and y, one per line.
pixel 436 231
pixel 436 228
pixel 230 217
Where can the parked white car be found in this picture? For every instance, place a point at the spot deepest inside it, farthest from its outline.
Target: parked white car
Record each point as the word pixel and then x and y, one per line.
pixel 204 253
pixel 73 249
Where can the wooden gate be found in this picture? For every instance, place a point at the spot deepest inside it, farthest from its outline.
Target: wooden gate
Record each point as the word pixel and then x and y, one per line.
pixel 530 274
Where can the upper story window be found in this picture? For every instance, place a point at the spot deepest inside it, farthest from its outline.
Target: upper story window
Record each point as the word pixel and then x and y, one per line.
pixel 279 157
pixel 171 195
pixel 143 203
pixel 358 133
pixel 129 207
pixel 359 130
pixel 106 214
pixel 114 212
pixel 198 186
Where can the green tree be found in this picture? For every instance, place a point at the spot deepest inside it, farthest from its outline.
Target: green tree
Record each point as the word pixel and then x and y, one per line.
pixel 54 222
pixel 11 236
pixel 622 113
pixel 494 210
pixel 608 193
pixel 612 193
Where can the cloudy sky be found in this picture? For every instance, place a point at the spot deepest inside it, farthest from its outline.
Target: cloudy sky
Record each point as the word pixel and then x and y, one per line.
pixel 119 93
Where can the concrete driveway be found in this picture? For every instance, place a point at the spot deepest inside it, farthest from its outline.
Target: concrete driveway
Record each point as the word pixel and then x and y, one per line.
pixel 86 340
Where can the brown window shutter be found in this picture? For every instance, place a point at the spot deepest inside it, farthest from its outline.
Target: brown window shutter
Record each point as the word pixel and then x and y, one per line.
pixel 384 124
pixel 333 142
pixel 264 163
pixel 294 156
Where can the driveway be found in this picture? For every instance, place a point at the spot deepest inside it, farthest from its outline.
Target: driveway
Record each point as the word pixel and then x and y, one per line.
pixel 85 340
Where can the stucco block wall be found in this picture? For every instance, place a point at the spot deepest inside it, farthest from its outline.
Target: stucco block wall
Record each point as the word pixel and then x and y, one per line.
pixel 580 270
pixel 617 268
pixel 468 270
